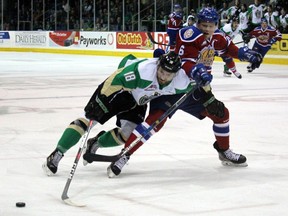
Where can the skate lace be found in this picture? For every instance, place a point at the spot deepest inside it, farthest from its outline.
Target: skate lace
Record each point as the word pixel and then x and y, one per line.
pixel 94 147
pixel 56 159
pixel 121 162
pixel 231 155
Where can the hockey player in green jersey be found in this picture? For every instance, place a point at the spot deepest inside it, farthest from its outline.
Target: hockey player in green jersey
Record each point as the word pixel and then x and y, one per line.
pixel 125 94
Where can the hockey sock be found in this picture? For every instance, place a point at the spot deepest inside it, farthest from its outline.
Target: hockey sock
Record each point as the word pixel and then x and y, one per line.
pixel 111 138
pixel 221 129
pixel 231 65
pixel 72 134
pixel 69 138
pixel 140 130
pixel 221 132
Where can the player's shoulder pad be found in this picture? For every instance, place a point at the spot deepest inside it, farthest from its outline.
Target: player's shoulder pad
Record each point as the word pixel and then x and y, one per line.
pixel 189 33
pixel 219 32
pixel 258 28
pixel 271 28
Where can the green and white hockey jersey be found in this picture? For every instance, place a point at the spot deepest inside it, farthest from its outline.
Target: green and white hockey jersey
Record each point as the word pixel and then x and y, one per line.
pixel 243 20
pixel 140 78
pixel 227 29
pixel 256 13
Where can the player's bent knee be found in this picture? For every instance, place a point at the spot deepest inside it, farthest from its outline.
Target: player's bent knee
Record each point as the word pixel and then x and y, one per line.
pixel 80 125
pixel 154 116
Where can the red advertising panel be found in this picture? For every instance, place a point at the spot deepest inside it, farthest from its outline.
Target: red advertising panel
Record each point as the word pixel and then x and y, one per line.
pixel 64 38
pixel 133 40
pixel 161 37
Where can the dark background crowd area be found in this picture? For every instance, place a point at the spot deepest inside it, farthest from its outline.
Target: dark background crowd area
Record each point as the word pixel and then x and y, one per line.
pixel 76 15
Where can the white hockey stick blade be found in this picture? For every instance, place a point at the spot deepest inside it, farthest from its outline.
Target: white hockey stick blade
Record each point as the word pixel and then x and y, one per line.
pixel 68 201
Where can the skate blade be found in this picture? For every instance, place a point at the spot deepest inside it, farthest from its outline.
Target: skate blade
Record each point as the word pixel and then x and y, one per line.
pixel 227 75
pixel 229 163
pixel 110 173
pixel 46 170
pixel 85 162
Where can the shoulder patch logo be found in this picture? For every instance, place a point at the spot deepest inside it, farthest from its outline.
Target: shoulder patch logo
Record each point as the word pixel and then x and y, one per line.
pixel 188 33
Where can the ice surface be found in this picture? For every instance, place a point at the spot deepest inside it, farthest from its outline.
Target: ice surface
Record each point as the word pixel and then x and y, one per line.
pixel 176 173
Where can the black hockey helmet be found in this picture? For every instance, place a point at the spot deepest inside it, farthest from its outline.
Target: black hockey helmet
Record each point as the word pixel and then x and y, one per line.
pixel 170 62
pixel 235 18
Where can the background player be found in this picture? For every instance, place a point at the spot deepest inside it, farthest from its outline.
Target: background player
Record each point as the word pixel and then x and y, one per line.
pixel 231 29
pixel 265 36
pixel 175 22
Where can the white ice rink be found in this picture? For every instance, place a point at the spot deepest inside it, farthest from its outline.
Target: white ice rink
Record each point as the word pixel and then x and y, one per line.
pixel 176 173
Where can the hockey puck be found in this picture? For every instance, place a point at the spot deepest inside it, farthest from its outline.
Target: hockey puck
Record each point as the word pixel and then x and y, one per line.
pixel 20 204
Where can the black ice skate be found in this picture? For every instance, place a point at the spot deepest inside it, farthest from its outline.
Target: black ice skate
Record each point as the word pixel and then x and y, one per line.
pixel 249 68
pixel 229 158
pixel 115 168
pixel 50 166
pixel 226 73
pixel 92 146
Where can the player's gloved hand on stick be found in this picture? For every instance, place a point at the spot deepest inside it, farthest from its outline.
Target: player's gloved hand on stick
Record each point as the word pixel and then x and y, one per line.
pixel 246 38
pixel 200 75
pixel 246 54
pixel 272 41
pixel 96 109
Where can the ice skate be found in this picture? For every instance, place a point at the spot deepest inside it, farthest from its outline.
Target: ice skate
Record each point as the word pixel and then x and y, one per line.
pixel 50 166
pixel 92 146
pixel 115 168
pixel 238 75
pixel 226 73
pixel 249 68
pixel 229 158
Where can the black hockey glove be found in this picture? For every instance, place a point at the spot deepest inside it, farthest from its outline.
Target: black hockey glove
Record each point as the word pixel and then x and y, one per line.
pixel 213 106
pixel 96 109
pixel 246 38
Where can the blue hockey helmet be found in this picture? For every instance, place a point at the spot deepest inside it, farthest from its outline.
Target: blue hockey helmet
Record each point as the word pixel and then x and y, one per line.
pixel 177 8
pixel 264 20
pixel 208 14
pixel 158 52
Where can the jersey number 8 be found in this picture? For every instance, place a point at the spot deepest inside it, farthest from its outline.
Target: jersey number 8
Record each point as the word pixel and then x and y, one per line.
pixel 130 76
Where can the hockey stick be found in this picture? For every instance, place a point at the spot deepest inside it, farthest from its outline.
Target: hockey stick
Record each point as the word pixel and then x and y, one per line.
pixel 239 42
pixel 153 41
pixel 65 196
pixel 112 158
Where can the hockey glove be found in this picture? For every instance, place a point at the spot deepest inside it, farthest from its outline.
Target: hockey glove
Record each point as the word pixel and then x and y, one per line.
pixel 272 41
pixel 96 109
pixel 200 75
pixel 246 54
pixel 213 106
pixel 246 38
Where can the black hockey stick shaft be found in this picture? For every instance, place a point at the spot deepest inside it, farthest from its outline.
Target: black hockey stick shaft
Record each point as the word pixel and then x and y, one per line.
pixel 239 42
pixel 153 41
pixel 106 158
pixel 77 158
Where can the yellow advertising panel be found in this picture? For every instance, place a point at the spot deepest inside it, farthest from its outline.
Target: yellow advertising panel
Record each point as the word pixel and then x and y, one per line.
pixel 281 47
